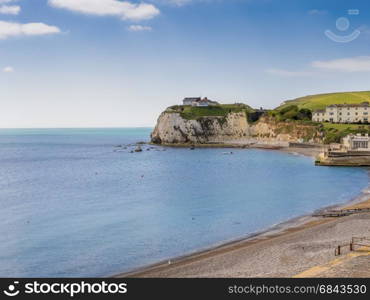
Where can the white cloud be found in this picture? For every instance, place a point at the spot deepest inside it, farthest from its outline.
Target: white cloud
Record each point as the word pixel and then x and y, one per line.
pixel 317 12
pixel 7 1
pixel 286 73
pixel 173 2
pixel 11 29
pixel 8 69
pixel 123 9
pixel 352 64
pixel 10 9
pixel 139 28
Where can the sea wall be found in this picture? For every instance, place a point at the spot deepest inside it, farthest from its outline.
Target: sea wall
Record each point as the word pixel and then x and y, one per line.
pixel 353 159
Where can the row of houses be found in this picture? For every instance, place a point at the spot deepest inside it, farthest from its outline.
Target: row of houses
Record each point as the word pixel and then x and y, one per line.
pixel 343 113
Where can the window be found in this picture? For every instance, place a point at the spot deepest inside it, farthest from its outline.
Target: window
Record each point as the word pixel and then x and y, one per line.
pixel 348 114
pixel 366 113
pixel 356 114
pixel 360 144
pixel 340 113
pixel 331 113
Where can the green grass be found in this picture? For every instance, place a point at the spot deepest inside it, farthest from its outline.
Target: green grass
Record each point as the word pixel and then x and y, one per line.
pixel 334 132
pixel 341 127
pixel 194 112
pixel 320 101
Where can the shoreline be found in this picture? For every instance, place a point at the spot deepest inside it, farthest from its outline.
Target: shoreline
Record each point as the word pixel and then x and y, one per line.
pixel 293 226
pixel 305 149
pixel 282 231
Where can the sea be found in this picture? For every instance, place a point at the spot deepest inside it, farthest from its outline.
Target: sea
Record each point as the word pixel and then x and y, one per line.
pixel 82 203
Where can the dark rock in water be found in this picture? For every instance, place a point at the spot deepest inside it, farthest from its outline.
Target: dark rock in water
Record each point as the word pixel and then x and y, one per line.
pixel 138 149
pixel 148 149
pixel 227 153
pixel 156 140
pixel 192 147
pixel 131 151
pixel 140 143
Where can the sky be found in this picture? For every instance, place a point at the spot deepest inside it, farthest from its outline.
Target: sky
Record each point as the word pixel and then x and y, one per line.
pixel 113 63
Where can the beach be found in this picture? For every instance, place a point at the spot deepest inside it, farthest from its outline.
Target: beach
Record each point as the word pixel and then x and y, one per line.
pixel 290 253
pixel 302 247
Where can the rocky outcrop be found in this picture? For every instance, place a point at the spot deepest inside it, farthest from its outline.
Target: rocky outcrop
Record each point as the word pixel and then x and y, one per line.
pixel 172 128
pixel 268 129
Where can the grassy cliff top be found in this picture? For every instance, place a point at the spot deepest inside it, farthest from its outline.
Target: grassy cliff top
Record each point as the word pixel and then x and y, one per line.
pixel 320 101
pixel 221 110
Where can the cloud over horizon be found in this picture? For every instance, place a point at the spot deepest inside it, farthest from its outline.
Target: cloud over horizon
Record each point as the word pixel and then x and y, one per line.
pixel 12 29
pixel 8 69
pixel 351 64
pixel 123 9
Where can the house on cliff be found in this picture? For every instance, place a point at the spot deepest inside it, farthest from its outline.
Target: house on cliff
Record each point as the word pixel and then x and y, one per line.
pixel 199 102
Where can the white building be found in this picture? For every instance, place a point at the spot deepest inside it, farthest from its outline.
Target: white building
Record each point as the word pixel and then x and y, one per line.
pixel 356 142
pixel 343 113
pixel 190 101
pixel 199 102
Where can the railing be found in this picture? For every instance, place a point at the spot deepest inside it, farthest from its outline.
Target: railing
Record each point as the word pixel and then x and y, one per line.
pixel 355 241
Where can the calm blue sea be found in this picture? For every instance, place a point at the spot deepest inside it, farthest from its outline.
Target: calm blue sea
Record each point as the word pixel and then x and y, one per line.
pixel 72 205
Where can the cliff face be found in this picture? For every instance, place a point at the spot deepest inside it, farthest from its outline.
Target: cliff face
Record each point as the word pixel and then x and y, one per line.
pixel 171 128
pixel 268 129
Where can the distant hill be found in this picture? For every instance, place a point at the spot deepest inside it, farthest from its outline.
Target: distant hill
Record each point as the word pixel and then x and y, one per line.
pixel 320 101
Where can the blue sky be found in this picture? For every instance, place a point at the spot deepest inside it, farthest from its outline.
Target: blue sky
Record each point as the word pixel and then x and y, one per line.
pixel 107 63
